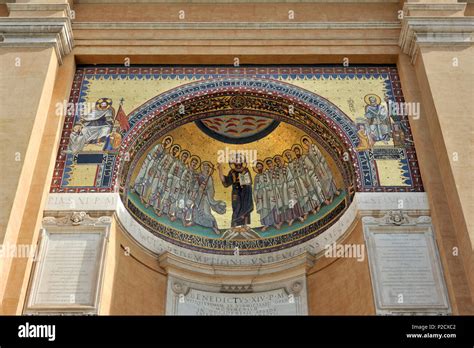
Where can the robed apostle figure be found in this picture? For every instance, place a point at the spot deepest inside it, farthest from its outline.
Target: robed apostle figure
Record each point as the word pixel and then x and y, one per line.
pixel 241 181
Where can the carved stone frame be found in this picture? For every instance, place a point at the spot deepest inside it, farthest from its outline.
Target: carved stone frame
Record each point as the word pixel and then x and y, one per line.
pixel 293 287
pixel 399 223
pixel 71 223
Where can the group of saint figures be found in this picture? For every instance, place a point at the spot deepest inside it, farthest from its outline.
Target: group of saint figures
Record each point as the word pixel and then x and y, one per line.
pixel 286 188
pixel 292 186
pixel 176 184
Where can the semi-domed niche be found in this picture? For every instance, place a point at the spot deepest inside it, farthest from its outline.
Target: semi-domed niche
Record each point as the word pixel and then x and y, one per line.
pixel 236 170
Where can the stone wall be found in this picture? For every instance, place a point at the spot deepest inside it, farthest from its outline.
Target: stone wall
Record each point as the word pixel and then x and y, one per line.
pixel 135 284
pixel 341 286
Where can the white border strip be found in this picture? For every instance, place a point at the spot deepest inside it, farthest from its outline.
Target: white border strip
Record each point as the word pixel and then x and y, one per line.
pixel 363 203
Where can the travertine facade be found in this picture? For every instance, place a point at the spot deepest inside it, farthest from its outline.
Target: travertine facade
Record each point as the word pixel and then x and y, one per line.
pixel 43 41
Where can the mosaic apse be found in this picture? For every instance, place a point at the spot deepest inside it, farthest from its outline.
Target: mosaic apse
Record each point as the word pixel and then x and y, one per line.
pixel 214 158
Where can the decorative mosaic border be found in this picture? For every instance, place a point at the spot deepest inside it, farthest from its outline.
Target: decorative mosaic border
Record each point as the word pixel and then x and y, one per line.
pixel 146 130
pixel 365 164
pixel 247 247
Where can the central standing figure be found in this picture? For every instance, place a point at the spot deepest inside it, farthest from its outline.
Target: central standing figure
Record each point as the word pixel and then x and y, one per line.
pixel 240 179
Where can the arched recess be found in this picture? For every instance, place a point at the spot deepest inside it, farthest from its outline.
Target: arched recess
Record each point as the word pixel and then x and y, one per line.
pixel 333 129
pixel 313 114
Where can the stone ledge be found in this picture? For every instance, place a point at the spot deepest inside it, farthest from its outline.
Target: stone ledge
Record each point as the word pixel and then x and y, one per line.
pixel 41 7
pixel 434 31
pixel 229 1
pixel 234 25
pixel 53 32
pixel 433 9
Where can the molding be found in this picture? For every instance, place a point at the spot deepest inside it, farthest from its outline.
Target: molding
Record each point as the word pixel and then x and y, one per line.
pixel 238 34
pixel 433 7
pixel 364 203
pixel 76 219
pixel 229 1
pixel 227 275
pixel 44 6
pixel 396 218
pixel 233 25
pixel 35 32
pixel 434 31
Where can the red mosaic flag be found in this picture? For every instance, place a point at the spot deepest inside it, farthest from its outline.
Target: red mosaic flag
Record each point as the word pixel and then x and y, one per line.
pixel 123 119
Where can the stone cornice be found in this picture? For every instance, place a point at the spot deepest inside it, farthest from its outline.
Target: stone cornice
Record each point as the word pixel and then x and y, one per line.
pixel 243 34
pixel 228 1
pixel 63 8
pixel 434 31
pixel 53 32
pixel 234 25
pixel 433 7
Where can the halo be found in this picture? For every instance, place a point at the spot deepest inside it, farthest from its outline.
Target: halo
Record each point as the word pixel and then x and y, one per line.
pixel 101 100
pixel 306 137
pixel 280 157
pixel 267 159
pixel 297 146
pixel 255 165
pixel 168 137
pixel 232 165
pixel 175 145
pixel 284 155
pixel 197 158
pixel 183 152
pixel 210 164
pixel 367 101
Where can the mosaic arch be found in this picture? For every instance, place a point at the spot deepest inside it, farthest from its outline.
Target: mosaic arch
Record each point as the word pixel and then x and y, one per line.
pixel 166 139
